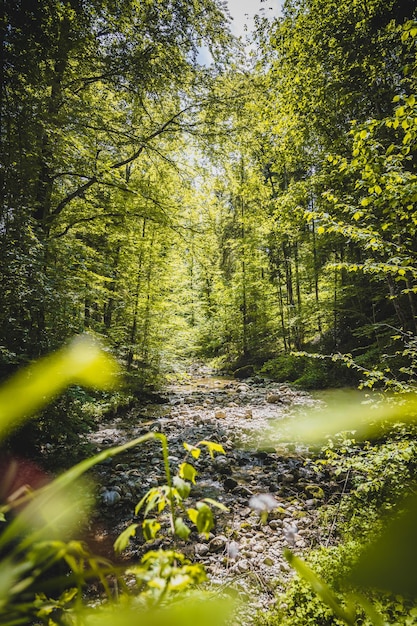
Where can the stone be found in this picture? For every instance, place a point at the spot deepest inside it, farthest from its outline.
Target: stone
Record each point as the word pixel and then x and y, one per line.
pixel 110 497
pixel 244 372
pixel 201 549
pixel 273 398
pixel 243 565
pixel 275 524
pixel 229 484
pixel 220 415
pixel 217 543
pixel 288 478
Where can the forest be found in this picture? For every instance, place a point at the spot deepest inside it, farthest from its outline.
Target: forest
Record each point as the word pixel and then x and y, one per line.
pixel 253 216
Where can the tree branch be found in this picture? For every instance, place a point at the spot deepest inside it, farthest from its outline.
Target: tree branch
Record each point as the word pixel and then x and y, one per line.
pixel 95 179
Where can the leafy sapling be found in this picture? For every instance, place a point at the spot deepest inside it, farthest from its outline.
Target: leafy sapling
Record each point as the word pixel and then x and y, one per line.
pixel 169 499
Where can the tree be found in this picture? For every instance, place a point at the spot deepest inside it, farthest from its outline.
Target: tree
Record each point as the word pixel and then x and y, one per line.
pixel 96 86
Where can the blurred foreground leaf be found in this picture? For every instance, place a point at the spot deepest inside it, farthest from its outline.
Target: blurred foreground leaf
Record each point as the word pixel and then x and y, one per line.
pixel 188 612
pixel 345 412
pixel 82 362
pixel 389 562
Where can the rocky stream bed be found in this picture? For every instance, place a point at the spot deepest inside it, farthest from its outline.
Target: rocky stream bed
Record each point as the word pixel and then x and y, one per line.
pixel 241 552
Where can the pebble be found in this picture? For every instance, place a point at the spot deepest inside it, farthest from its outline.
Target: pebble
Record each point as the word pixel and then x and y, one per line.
pixel 273 398
pixel 238 416
pixel 111 497
pixel 201 549
pixel 229 484
pixel 243 565
pixel 217 543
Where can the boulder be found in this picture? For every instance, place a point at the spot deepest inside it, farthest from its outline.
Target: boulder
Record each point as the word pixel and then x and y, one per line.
pixel 244 372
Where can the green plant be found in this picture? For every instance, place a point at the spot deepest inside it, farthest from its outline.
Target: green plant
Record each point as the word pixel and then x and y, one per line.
pixel 43 570
pixel 171 498
pixel 386 560
pixel 165 572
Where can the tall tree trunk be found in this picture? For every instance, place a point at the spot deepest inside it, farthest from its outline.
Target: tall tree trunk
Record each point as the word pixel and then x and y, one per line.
pixel 45 182
pixel 281 312
pixel 299 324
pixel 316 280
pixel 393 291
pixel 134 326
pixel 289 288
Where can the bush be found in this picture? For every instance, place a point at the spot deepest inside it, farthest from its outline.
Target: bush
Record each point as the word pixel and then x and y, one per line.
pixel 309 372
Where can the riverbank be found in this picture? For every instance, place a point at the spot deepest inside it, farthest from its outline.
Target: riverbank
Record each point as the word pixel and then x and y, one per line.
pixel 241 552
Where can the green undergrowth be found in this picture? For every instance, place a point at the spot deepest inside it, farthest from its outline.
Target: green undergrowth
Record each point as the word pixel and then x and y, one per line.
pixel 374 479
pixel 308 373
pixel 298 604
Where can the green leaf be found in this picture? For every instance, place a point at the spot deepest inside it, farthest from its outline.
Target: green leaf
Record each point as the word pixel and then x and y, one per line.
pixel 188 612
pixel 389 562
pixel 123 539
pixel 82 362
pixel 192 514
pixel 195 452
pixel 212 447
pixel 216 503
pixel 344 412
pixel 182 487
pixel 187 472
pixel 181 529
pixel 150 528
pixel 205 521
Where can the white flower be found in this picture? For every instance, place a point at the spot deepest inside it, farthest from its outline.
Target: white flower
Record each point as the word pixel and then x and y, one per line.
pixel 263 502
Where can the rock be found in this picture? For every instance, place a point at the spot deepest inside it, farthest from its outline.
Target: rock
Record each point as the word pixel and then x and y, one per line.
pixel 268 561
pixel 229 484
pixel 288 478
pixel 220 415
pixel 222 464
pixel 244 372
pixel 243 565
pixel 261 454
pixel 285 567
pixel 217 543
pixel 273 398
pixel 201 549
pixel 110 497
pixel 275 524
pixel 248 414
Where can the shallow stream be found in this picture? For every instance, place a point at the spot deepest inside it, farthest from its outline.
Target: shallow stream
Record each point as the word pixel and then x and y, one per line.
pixel 240 551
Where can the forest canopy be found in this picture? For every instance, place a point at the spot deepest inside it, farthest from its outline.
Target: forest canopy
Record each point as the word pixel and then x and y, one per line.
pixel 235 211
